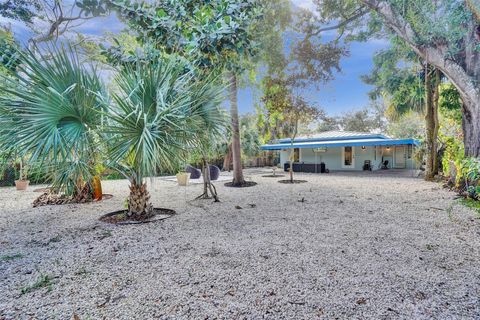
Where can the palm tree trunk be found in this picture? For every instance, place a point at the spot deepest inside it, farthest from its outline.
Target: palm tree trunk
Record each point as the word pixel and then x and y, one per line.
pixel 236 146
pixel 139 205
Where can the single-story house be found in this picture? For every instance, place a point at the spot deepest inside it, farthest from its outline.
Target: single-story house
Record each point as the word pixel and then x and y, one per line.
pixel 343 150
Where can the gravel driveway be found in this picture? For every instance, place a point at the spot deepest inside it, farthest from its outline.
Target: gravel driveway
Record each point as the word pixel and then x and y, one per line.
pixel 342 245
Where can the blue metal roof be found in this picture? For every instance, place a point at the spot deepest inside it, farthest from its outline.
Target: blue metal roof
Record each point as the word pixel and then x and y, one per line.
pixel 334 135
pixel 341 143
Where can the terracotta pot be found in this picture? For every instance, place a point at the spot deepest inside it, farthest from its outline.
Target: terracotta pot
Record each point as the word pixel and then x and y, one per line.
pixel 22 184
pixel 183 178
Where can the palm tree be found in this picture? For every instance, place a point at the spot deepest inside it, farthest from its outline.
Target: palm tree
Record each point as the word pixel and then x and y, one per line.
pixel 158 112
pixel 49 113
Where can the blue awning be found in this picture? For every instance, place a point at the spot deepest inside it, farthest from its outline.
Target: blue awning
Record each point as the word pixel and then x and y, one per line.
pixel 341 143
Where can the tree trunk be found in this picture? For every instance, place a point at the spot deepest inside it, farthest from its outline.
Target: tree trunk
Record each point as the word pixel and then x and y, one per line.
pixel 292 153
pixel 436 97
pixel 207 183
pixel 236 146
pixel 139 205
pixel 471 130
pixel 228 159
pixel 432 85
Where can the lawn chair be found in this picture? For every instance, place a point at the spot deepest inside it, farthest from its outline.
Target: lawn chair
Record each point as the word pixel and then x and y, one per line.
pixel 367 165
pixel 194 172
pixel 385 164
pixel 214 172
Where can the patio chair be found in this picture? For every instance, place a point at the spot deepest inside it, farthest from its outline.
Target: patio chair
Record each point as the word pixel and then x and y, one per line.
pixel 214 172
pixel 385 164
pixel 194 172
pixel 367 165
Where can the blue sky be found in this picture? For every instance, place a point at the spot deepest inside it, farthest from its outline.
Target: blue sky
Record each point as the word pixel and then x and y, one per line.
pixel 346 93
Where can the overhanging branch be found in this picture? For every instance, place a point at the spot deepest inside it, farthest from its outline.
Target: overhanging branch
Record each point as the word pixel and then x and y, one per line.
pixel 359 13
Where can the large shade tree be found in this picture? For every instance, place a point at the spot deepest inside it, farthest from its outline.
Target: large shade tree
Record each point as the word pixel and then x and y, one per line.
pixel 219 34
pixel 407 83
pixel 445 34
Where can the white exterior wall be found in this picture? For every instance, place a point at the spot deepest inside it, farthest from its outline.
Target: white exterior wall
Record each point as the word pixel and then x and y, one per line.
pixel 333 157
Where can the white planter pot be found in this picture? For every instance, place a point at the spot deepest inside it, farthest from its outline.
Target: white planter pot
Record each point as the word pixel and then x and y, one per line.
pixel 183 178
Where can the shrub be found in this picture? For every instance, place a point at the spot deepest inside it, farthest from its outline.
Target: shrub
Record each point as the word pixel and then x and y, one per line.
pixel 468 178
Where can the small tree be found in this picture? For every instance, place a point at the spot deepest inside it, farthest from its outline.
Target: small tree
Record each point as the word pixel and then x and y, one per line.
pixel 298 112
pixel 160 110
pixel 211 123
pixel 291 110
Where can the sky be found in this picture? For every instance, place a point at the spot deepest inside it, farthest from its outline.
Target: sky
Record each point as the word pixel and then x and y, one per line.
pixel 344 94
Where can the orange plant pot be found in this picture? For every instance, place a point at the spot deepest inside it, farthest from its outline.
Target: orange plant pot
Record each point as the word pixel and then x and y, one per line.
pixel 97 188
pixel 22 184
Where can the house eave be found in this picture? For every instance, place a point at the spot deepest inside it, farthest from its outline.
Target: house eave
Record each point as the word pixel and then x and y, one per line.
pixel 340 143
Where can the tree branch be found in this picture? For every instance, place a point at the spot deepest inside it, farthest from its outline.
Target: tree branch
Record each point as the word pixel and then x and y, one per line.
pixel 360 13
pixel 433 54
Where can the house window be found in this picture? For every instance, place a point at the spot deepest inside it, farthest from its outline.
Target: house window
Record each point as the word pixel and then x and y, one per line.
pixel 348 156
pixel 409 151
pixel 296 155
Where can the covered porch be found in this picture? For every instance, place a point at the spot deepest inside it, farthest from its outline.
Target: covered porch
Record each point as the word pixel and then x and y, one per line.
pixel 349 155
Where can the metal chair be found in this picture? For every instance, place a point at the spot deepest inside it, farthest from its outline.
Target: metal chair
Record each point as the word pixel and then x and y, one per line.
pixel 385 164
pixel 367 165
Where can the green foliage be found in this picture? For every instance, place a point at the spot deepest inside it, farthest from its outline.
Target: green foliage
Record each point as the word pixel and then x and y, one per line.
pixel 49 113
pixel 397 78
pixel 213 33
pixel 158 112
pixel 26 10
pixel 327 124
pixel 44 281
pixel 9 59
pixel 472 204
pixel 270 30
pixel 361 121
pixel 436 21
pixel 409 125
pixel 249 136
pixel 470 173
pixel 450 135
pixel 11 257
pixel 444 23
pixel 22 10
pixel 453 154
pixel 450 102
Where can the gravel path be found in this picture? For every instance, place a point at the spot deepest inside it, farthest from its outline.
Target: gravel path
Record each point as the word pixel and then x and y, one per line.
pixel 358 246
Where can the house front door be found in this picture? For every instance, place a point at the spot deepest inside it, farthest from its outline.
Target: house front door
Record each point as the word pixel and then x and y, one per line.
pixel 348 158
pixel 400 157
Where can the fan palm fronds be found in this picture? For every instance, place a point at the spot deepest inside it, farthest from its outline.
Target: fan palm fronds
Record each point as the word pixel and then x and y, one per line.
pixel 49 111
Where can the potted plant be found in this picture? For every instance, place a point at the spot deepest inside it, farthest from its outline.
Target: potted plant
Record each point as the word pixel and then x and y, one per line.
pixel 22 182
pixel 183 178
